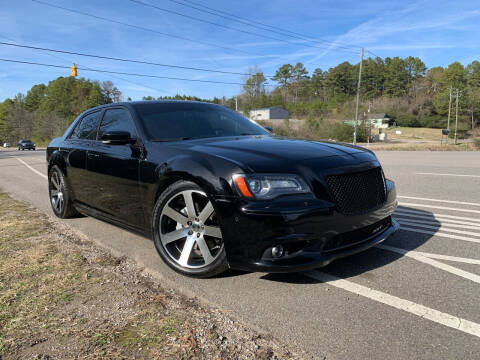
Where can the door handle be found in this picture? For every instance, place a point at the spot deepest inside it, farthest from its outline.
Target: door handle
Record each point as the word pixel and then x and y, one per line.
pixel 92 155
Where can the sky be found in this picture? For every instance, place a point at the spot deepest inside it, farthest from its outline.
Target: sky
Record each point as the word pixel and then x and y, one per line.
pixel 439 32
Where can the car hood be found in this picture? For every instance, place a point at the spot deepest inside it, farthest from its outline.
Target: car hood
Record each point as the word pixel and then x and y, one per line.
pixel 269 153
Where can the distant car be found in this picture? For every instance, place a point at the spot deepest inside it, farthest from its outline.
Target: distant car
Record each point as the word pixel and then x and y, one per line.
pixel 6 145
pixel 25 144
pixel 215 190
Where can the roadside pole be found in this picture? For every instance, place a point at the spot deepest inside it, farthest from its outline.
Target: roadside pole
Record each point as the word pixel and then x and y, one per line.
pixel 449 110
pixel 456 119
pixel 358 98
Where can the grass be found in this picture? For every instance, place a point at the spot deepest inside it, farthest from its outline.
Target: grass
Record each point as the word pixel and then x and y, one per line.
pixel 411 133
pixel 61 297
pixel 424 147
pixel 39 282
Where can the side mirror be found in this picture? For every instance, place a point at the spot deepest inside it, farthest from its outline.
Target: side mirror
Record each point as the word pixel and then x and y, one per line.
pixel 117 138
pixel 269 128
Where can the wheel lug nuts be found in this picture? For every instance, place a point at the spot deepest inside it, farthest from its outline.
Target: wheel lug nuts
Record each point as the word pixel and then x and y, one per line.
pixel 198 234
pixel 189 222
pixel 190 232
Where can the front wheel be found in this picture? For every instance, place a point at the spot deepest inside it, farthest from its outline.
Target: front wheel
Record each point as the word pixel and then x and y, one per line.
pixel 59 194
pixel 187 232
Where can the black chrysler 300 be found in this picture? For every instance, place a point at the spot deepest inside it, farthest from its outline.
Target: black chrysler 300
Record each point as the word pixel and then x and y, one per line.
pixel 215 190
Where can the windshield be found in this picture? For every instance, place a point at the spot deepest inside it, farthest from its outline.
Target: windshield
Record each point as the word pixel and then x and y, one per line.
pixel 176 121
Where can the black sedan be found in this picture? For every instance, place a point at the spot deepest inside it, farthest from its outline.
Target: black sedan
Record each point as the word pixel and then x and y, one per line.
pixel 216 191
pixel 25 144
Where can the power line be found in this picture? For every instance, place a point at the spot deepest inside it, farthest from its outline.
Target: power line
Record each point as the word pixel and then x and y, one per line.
pixel 221 25
pixel 114 76
pixel 260 25
pixel 138 27
pixel 123 59
pixel 123 73
pixel 373 53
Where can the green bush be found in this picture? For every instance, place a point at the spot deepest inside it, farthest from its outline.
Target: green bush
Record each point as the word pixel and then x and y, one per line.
pixel 407 120
pixel 476 142
pixel 433 121
pixel 312 123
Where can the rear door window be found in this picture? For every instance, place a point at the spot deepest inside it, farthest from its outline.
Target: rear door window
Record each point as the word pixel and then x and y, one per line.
pixel 116 120
pixel 87 127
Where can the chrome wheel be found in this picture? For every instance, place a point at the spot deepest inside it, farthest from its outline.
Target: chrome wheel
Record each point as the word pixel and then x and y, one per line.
pixel 56 192
pixel 189 230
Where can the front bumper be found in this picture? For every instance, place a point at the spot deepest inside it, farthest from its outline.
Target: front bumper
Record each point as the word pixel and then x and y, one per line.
pixel 311 231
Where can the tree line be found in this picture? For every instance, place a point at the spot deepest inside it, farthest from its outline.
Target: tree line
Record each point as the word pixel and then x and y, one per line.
pixel 403 88
pixel 47 110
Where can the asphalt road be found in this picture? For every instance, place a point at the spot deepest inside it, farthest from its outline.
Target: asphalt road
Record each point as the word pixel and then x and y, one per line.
pixel 416 296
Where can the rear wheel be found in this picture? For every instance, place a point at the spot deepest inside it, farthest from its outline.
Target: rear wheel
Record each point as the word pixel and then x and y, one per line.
pixel 59 194
pixel 187 231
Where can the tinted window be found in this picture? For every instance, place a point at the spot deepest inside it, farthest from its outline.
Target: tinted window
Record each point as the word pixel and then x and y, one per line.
pixel 87 127
pixel 190 120
pixel 116 120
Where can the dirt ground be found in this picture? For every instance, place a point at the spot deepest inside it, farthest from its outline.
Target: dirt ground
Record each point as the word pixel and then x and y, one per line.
pixel 61 297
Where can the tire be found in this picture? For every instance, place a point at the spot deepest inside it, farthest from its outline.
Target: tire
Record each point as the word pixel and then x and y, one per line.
pixel 59 194
pixel 187 231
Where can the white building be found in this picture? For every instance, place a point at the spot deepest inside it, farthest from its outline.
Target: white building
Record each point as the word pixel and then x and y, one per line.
pixel 272 113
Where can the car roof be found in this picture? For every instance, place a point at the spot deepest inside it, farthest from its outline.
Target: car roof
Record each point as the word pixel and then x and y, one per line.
pixel 130 103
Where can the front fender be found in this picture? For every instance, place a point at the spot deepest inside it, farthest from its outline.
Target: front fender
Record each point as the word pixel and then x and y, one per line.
pixel 211 174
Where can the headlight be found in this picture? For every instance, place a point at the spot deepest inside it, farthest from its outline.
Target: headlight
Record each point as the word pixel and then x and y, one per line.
pixel 269 186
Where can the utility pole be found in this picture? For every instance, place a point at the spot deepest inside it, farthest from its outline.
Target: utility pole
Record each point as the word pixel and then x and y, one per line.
pixel 449 111
pixel 236 103
pixel 358 97
pixel 456 119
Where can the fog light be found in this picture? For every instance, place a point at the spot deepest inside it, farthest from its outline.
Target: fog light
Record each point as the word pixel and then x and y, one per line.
pixel 277 251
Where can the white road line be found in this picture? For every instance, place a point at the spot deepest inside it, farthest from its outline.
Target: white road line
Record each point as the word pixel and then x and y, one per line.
pixel 439 228
pixel 422 213
pixel 31 168
pixel 438 222
pixel 450 258
pixel 435 233
pixel 439 207
pixel 422 311
pixel 437 174
pixel 435 218
pixel 426 260
pixel 437 200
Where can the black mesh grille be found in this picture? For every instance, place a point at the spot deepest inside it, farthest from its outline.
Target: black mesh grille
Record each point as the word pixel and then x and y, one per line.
pixel 355 237
pixel 359 192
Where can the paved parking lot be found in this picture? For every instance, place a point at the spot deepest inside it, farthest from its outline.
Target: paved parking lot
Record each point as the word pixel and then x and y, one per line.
pixel 416 295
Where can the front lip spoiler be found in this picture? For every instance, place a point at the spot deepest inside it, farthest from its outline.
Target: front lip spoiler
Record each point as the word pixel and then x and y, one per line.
pixel 315 260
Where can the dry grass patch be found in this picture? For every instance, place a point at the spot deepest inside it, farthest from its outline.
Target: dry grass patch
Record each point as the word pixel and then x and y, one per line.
pixel 425 147
pixel 61 297
pixel 412 133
